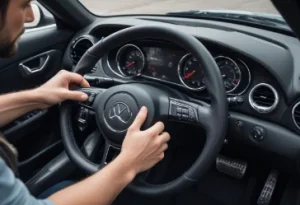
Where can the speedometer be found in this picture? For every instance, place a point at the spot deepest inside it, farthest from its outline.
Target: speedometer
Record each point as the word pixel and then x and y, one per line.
pixel 190 72
pixel 130 60
pixel 230 72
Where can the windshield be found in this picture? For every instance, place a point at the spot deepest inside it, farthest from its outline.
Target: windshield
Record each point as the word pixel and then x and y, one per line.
pixel 121 7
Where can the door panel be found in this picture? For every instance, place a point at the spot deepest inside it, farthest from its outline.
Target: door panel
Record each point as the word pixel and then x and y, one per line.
pixel 19 79
pixel 36 135
pixel 33 43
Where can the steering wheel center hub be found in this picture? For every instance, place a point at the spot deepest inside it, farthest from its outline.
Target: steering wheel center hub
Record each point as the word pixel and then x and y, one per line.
pixel 117 108
pixel 119 111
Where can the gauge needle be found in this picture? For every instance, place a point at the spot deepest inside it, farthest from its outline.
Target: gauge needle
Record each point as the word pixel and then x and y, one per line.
pixel 190 74
pixel 130 64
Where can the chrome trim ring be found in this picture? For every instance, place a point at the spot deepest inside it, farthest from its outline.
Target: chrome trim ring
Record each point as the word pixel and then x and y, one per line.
pixel 293 116
pixel 81 38
pixel 118 56
pixel 262 109
pixel 118 74
pixel 180 64
pixel 249 78
pixel 227 58
pixel 78 40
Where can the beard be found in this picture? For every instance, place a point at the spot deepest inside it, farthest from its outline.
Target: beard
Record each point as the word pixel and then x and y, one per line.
pixel 8 48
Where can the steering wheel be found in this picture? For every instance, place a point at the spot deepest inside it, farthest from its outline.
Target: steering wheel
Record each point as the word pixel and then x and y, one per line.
pixel 116 107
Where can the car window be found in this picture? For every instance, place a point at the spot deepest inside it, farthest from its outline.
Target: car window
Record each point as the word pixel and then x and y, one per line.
pixel 254 13
pixel 120 7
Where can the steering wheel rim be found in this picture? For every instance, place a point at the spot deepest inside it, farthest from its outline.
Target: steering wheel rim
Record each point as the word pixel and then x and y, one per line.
pixel 218 113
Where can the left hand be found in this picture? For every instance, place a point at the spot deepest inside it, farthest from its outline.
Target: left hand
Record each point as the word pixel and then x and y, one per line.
pixel 57 89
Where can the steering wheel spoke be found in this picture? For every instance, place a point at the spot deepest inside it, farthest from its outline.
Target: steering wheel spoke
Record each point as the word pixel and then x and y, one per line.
pixel 190 112
pixel 142 177
pixel 109 154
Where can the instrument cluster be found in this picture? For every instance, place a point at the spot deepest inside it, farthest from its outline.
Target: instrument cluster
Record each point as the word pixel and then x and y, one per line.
pixel 178 67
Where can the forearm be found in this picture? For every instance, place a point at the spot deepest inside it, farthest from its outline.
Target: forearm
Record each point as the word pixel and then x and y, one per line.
pixel 16 104
pixel 99 189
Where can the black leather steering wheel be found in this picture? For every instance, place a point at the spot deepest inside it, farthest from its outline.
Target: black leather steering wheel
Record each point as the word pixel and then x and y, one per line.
pixel 161 102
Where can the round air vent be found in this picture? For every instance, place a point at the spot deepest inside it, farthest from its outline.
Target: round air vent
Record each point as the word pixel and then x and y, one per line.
pixel 263 98
pixel 296 115
pixel 79 47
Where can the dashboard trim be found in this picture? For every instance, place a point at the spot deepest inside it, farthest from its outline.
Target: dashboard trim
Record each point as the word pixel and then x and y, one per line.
pixel 164 81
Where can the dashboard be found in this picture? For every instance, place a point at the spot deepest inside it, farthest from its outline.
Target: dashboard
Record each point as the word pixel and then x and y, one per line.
pixel 260 71
pixel 257 71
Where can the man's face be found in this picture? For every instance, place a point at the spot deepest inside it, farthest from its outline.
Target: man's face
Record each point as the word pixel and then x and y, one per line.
pixel 12 27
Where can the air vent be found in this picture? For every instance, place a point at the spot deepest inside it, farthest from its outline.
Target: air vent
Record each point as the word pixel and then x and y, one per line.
pixel 79 47
pixel 296 115
pixel 263 98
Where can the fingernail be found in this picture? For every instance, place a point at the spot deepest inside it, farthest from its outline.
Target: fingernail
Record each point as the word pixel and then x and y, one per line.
pixel 143 109
pixel 84 96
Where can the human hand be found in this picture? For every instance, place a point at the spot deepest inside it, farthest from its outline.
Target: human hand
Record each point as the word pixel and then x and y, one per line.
pixel 57 89
pixel 143 149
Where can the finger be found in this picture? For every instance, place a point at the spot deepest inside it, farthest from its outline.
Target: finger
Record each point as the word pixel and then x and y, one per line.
pixel 77 79
pixel 75 95
pixel 164 137
pixel 162 156
pixel 156 129
pixel 163 148
pixel 140 118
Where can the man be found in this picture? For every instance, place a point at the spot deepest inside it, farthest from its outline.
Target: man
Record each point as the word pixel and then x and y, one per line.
pixel 140 150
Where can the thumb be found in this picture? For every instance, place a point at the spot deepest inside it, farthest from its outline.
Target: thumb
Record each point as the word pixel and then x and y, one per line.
pixel 75 95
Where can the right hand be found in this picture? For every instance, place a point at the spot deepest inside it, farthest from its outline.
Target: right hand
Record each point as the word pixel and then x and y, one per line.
pixel 143 149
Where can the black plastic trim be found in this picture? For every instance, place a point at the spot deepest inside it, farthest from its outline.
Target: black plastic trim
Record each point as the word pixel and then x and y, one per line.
pixel 61 167
pixel 17 132
pixel 278 141
pixel 70 12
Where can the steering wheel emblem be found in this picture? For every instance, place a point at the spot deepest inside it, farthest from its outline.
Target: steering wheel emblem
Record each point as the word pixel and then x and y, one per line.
pixel 120 111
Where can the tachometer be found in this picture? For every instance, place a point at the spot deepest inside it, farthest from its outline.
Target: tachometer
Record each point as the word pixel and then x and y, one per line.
pixel 230 72
pixel 130 60
pixel 190 73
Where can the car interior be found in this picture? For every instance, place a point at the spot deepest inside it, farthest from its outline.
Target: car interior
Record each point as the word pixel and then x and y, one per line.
pixel 227 91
